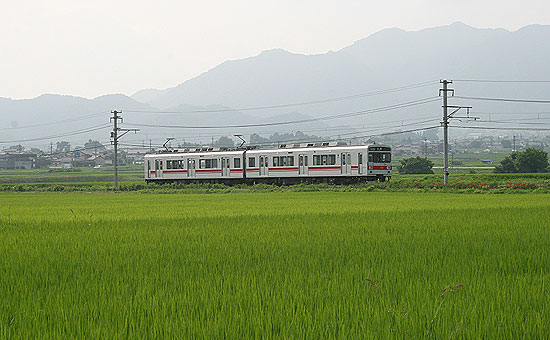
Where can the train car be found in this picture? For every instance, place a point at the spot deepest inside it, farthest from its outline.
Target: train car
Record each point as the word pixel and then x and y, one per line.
pixel 196 165
pixel 295 163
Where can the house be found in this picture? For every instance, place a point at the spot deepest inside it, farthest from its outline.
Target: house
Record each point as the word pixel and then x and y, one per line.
pixel 135 155
pixel 97 160
pixel 11 160
pixel 62 163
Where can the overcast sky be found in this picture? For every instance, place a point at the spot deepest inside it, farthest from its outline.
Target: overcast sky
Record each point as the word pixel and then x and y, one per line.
pixel 90 48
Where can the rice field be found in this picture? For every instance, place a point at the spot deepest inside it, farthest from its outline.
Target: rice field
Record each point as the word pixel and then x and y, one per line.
pixel 288 265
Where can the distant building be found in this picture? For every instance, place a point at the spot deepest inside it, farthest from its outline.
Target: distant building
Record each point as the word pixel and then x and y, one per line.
pixel 62 163
pixel 135 155
pixel 97 160
pixel 11 160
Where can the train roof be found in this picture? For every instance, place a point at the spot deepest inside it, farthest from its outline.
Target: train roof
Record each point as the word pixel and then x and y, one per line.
pixel 288 148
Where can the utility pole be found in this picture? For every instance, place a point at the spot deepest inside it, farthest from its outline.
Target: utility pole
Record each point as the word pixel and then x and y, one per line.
pixel 115 137
pixel 445 125
pixel 514 148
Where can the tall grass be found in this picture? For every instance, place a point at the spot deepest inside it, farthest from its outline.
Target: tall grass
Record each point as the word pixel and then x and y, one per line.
pixel 274 266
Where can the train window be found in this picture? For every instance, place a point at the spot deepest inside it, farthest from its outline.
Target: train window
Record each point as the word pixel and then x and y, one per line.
pixel 168 165
pixel 202 163
pixel 323 160
pixel 161 165
pixel 380 157
pixel 305 160
pixel 283 161
pixel 251 162
pixel 360 157
pixel 210 163
pixel 236 162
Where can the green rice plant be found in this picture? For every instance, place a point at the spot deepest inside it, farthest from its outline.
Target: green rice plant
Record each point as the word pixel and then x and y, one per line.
pixel 274 265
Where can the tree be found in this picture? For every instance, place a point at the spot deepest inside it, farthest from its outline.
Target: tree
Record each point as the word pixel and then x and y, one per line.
pixel 224 142
pixel 63 146
pixel 531 160
pixel 94 144
pixel 18 148
pixel 415 165
pixel 507 165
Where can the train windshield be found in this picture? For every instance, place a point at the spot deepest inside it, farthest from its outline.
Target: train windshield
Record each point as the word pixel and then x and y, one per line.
pixel 380 157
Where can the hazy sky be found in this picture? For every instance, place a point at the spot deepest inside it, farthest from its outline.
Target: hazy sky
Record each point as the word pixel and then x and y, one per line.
pixel 90 48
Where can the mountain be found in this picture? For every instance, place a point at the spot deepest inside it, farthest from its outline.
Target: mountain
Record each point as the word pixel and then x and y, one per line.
pixel 230 93
pixel 388 59
pixel 22 121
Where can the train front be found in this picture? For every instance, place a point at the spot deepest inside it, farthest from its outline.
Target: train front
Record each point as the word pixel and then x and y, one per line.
pixel 379 162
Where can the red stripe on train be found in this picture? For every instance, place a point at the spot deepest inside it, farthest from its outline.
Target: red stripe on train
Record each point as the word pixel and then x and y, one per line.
pixel 175 171
pixel 283 169
pixel 324 168
pixel 213 170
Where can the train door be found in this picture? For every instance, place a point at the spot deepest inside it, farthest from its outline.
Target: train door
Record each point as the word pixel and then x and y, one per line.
pixel 346 163
pixel 264 165
pixel 157 168
pixel 303 165
pixel 190 167
pixel 225 167
pixel 148 171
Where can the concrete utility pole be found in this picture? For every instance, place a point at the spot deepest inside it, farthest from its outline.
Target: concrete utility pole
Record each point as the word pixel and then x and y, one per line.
pixel 445 125
pixel 115 137
pixel 514 148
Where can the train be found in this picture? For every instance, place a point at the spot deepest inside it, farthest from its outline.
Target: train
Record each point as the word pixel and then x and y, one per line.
pixel 322 162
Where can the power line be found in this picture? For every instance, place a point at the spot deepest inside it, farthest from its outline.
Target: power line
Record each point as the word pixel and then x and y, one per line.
pixel 345 115
pixel 78 132
pixel 500 81
pixel 344 127
pixel 506 100
pixel 509 113
pixel 500 128
pixel 70 120
pixel 321 101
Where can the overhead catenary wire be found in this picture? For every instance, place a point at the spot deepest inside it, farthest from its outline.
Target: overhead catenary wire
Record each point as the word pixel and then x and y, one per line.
pixel 331 117
pixel 499 128
pixel 346 127
pixel 77 132
pixel 326 138
pixel 69 120
pixel 512 100
pixel 500 81
pixel 320 101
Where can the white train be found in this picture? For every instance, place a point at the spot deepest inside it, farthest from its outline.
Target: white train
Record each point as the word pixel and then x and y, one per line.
pixel 312 162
